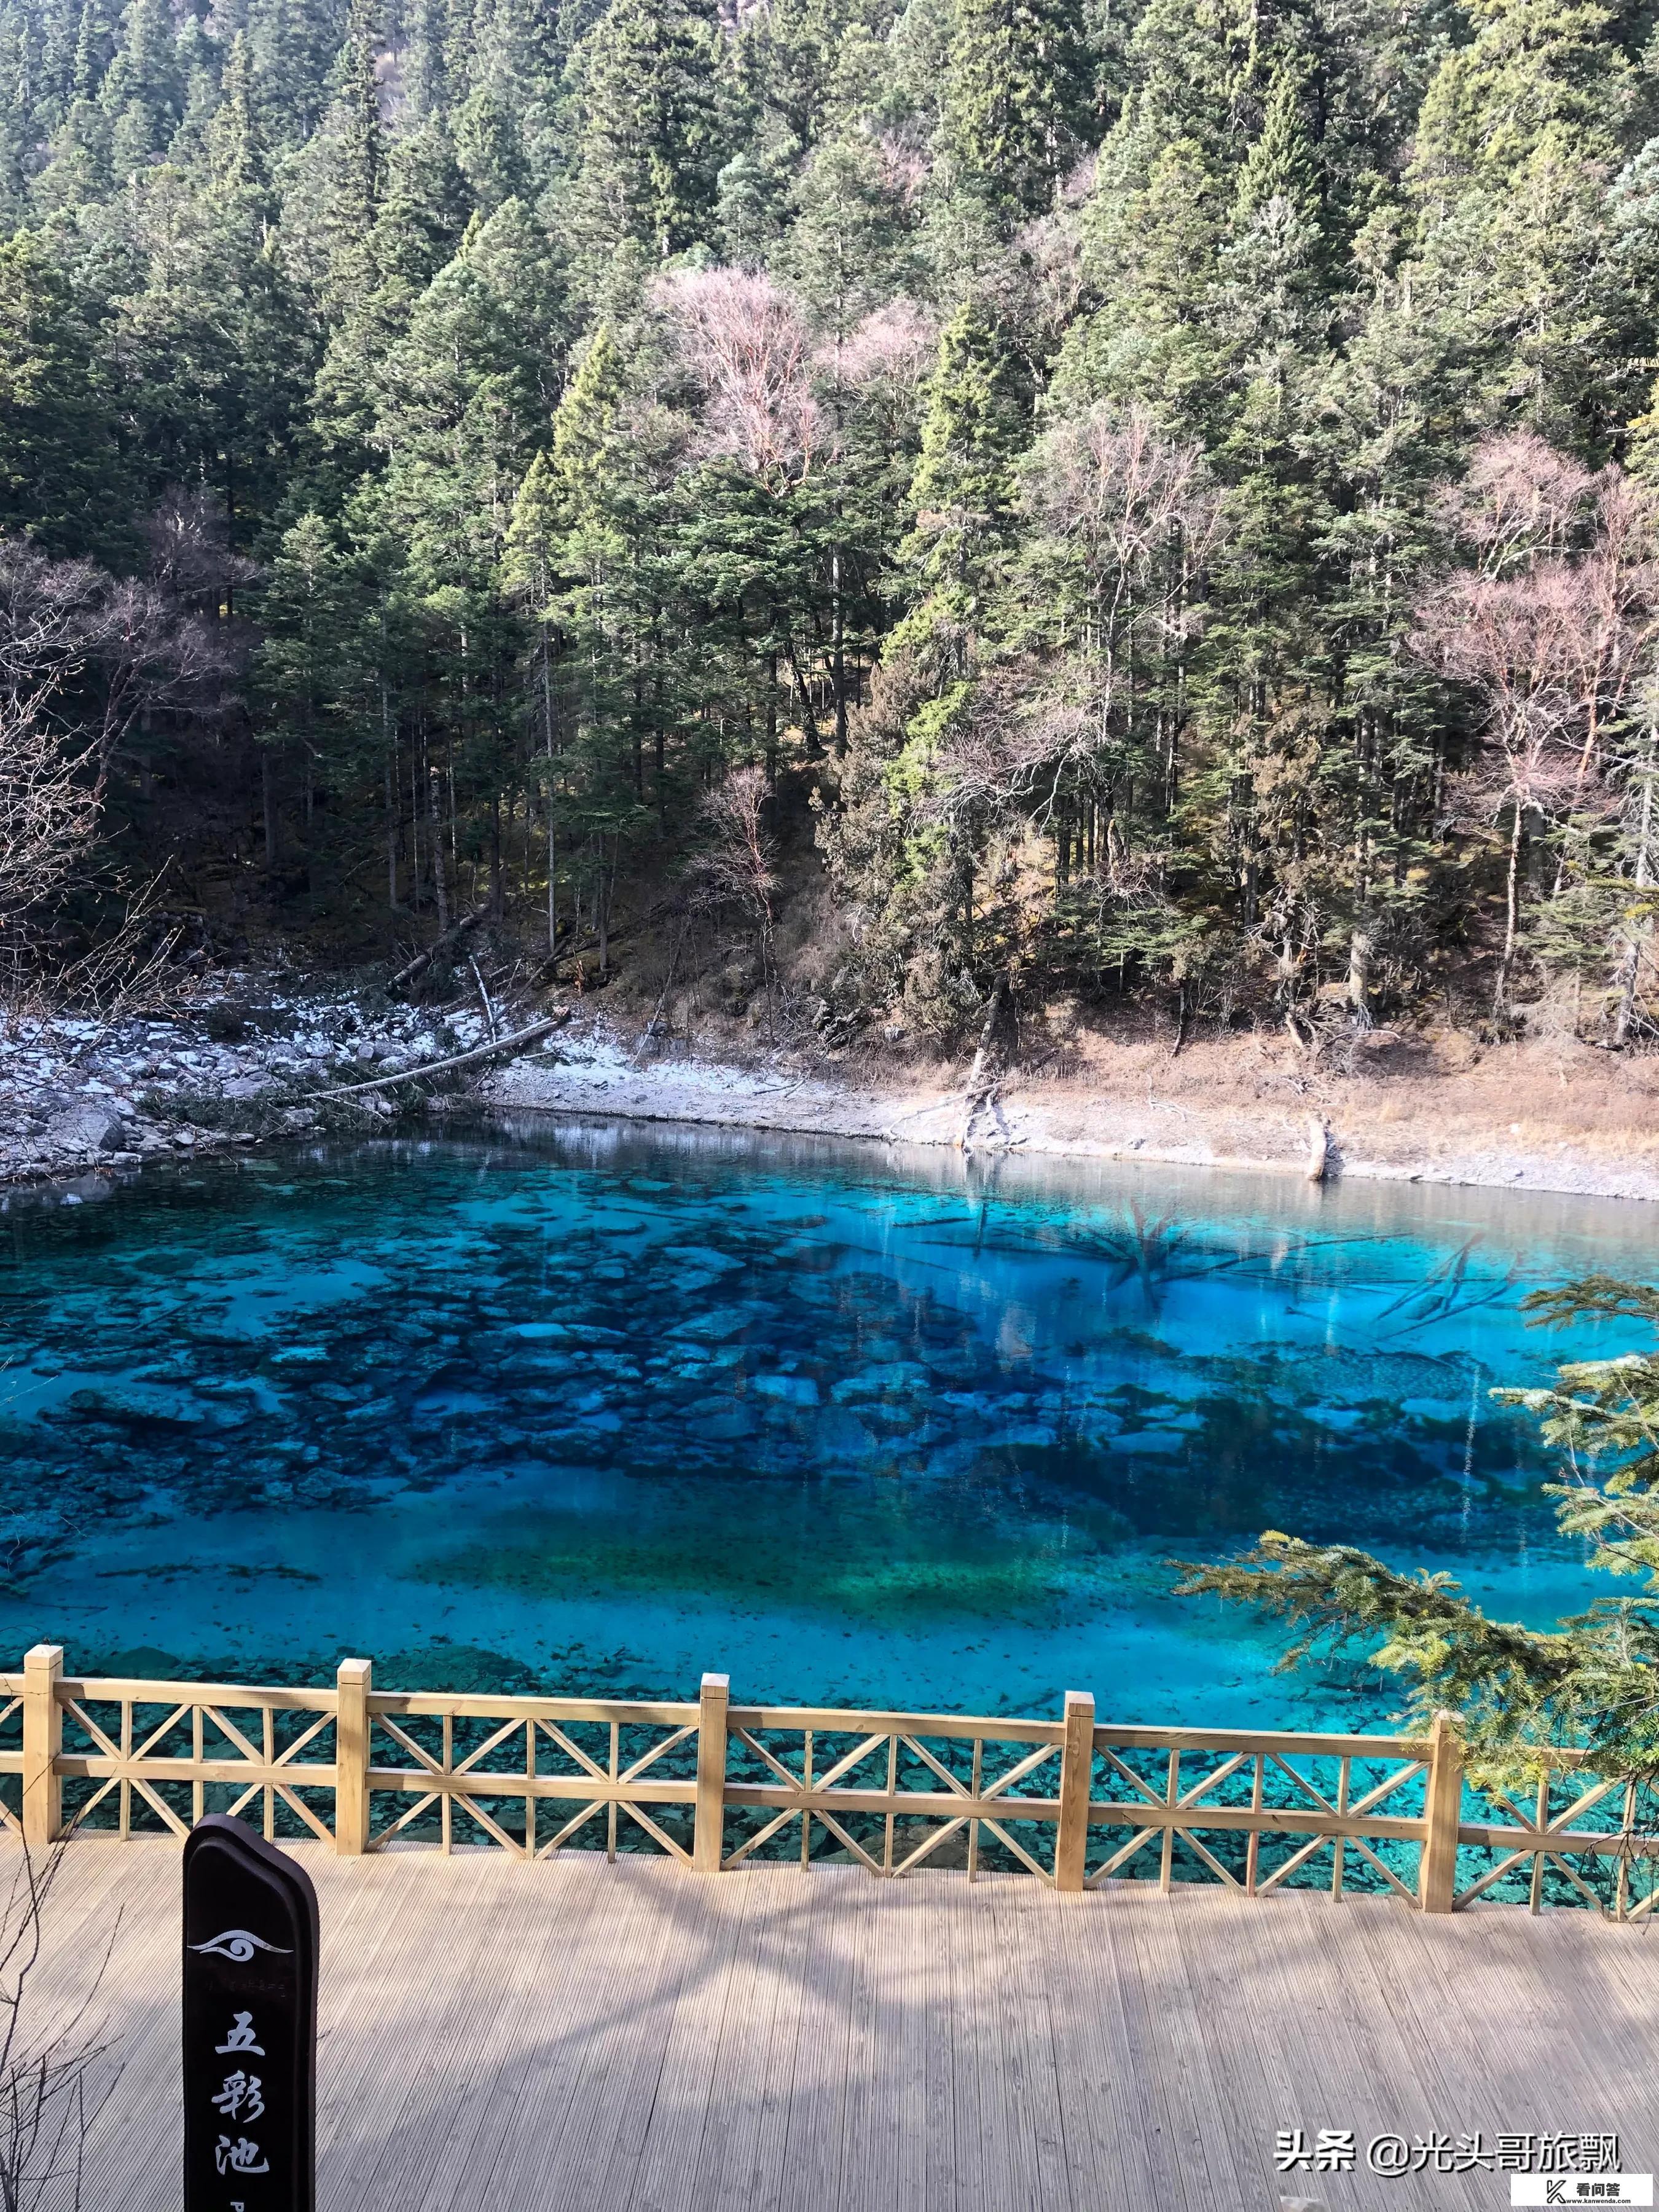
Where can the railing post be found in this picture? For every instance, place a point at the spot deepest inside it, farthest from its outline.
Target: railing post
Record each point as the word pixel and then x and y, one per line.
pixel 1442 1809
pixel 1076 1764
pixel 43 1739
pixel 353 1682
pixel 708 1840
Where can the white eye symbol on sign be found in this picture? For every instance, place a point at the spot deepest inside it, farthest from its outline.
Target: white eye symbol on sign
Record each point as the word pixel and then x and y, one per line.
pixel 237 1944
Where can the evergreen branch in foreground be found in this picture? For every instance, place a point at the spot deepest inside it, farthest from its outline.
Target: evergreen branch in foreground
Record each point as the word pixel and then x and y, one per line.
pixel 1591 1684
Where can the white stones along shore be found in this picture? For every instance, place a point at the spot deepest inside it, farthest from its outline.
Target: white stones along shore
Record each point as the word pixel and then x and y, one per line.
pixel 78 1094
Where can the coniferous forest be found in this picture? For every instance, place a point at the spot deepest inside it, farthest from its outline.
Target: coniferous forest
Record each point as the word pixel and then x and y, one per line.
pixel 1153 505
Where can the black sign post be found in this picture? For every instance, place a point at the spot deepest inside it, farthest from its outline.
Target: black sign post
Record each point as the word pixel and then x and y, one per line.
pixel 250 2025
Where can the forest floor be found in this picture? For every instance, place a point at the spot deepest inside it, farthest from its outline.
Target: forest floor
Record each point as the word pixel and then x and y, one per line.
pixel 1541 1114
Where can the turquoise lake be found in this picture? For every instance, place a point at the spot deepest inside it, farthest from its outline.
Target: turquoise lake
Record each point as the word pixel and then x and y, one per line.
pixel 597 1405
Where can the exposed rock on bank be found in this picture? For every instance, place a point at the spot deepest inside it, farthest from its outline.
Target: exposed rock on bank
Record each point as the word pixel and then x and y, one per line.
pixel 258 1063
pixel 237 1068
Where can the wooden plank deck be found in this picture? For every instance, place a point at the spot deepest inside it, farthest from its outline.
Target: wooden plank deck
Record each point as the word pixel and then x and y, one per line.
pixel 500 2038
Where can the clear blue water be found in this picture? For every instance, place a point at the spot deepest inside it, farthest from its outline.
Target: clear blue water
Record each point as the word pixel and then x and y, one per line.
pixel 592 1405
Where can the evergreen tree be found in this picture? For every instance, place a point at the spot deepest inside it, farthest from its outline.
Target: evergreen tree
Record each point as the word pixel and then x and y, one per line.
pixel 1518 135
pixel 961 495
pixel 532 564
pixel 142 93
pixel 1592 1683
pixel 1015 99
pixel 489 147
pixel 356 150
pixel 211 341
pixel 647 145
pixel 848 248
pixel 236 148
pixel 62 477
pixel 295 45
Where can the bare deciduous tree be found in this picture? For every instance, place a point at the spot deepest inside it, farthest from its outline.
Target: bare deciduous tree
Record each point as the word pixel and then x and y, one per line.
pixel 109 650
pixel 1553 628
pixel 48 2071
pixel 746 344
pixel 48 808
pixel 738 864
pixel 85 657
pixel 1519 502
pixel 1127 503
pixel 896 343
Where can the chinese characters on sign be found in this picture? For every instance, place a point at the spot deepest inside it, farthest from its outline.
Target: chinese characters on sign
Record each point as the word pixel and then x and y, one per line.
pixel 250 2025
pixel 1337 2150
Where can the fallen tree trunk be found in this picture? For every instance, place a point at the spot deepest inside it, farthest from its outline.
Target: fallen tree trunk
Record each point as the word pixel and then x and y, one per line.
pixel 417 967
pixel 481 1052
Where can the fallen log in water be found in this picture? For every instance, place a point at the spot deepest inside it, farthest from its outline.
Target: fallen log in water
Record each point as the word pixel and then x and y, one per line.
pixel 481 1052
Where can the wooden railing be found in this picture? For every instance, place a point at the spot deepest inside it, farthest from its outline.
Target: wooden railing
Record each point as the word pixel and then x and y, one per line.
pixel 713 1785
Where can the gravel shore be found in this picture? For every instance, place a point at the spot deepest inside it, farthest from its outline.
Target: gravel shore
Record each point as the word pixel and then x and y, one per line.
pixel 245 1065
pixel 255 1063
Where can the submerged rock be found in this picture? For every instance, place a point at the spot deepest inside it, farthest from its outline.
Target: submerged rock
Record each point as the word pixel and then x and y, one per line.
pixel 793 1389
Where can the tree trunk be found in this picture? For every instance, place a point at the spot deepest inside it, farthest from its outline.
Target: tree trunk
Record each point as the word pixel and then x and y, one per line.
pixel 268 807
pixel 1511 915
pixel 435 825
pixel 391 835
pixel 603 910
pixel 1641 931
pixel 1359 977
pixel 838 651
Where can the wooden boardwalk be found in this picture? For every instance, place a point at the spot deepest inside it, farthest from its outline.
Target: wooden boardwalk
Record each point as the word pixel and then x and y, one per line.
pixel 500 2038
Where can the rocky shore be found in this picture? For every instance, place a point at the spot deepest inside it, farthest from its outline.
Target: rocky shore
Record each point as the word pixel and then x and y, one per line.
pixel 248 1063
pixel 255 1061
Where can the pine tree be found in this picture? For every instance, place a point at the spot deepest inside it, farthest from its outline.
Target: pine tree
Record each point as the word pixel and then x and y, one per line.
pixel 95 49
pixel 308 613
pixel 142 93
pixel 961 495
pixel 294 46
pixel 464 398
pixel 533 557
pixel 583 427
pixel 235 145
pixel 790 59
pixel 215 351
pixel 848 248
pixel 1517 132
pixel 356 163
pixel 647 146
pixel 422 212
pixel 62 477
pixel 1592 1682
pixel 77 172
pixel 1015 99
pixel 489 148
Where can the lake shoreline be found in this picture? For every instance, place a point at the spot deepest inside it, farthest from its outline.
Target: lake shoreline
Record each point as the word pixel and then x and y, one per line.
pixel 1588 1125
pixel 1443 1130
